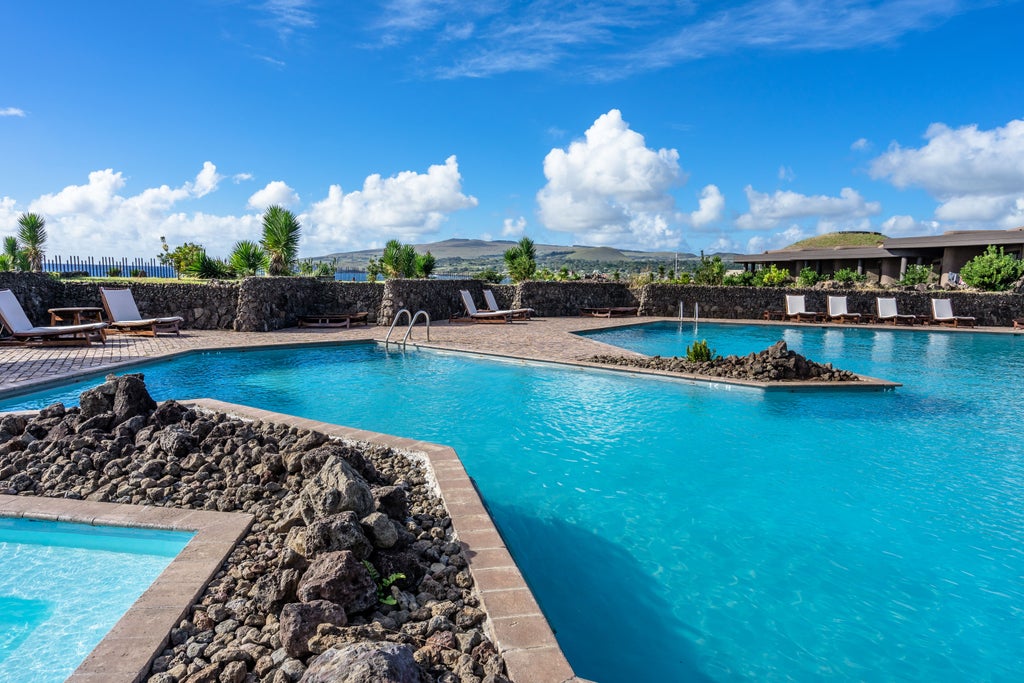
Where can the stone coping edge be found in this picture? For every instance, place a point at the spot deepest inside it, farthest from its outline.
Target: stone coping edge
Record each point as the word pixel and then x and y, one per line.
pixel 515 622
pixel 141 634
pixel 866 383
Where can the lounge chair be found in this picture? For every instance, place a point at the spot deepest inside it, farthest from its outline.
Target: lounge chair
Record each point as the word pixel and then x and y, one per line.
pixel 517 313
pixel 610 311
pixel 479 316
pixel 942 313
pixel 124 315
pixel 796 309
pixel 1018 323
pixel 838 312
pixel 13 318
pixel 887 312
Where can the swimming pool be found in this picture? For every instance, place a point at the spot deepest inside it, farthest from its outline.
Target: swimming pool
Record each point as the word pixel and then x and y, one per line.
pixel 683 532
pixel 57 596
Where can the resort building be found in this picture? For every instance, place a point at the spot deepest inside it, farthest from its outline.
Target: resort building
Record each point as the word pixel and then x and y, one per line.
pixel 886 263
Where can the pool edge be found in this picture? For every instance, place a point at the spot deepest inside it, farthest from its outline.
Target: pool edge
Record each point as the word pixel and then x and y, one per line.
pixel 128 649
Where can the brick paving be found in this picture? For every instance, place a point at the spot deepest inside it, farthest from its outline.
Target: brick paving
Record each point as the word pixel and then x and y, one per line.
pixel 22 367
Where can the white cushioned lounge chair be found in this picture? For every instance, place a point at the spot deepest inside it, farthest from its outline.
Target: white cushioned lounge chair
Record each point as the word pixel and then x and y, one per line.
pixel 796 309
pixel 479 316
pixel 942 313
pixel 838 311
pixel 517 313
pixel 21 329
pixel 124 315
pixel 887 312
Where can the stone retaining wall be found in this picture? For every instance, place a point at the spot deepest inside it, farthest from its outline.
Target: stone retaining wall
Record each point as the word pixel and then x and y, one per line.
pixel 273 303
pixel 749 303
pixel 263 304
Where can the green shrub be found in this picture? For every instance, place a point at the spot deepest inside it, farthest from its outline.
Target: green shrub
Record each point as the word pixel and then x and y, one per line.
pixel 710 271
pixel 773 276
pixel 916 275
pixel 848 276
pixel 699 352
pixel 137 272
pixel 808 277
pixel 993 270
pixel 745 279
pixel 489 275
pixel 113 271
pixel 207 268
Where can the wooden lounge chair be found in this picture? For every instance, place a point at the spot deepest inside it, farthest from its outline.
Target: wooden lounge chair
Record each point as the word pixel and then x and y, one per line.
pixel 517 313
pixel 13 318
pixel 479 316
pixel 1018 323
pixel 887 312
pixel 124 315
pixel 333 319
pixel 796 309
pixel 610 311
pixel 838 312
pixel 942 314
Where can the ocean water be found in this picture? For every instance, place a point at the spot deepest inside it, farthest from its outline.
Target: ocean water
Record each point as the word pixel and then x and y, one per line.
pixel 58 596
pixel 680 532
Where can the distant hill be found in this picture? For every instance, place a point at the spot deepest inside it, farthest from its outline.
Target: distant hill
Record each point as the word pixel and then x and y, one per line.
pixel 840 239
pixel 471 256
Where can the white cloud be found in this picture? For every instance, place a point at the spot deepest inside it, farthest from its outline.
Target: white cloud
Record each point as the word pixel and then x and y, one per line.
pixel 12 111
pixel 287 16
pixel 778 240
pixel 275 192
pixel 513 227
pixel 786 174
pixel 907 226
pixel 239 178
pixel 860 145
pixel 96 220
pixel 405 206
pixel 610 188
pixel 723 244
pixel 712 204
pixel 767 211
pixel 976 175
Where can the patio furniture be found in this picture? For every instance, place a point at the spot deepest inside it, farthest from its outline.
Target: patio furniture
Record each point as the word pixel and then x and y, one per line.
pixel 838 311
pixel 796 309
pixel 334 319
pixel 21 330
pixel 887 312
pixel 75 315
pixel 479 316
pixel 517 313
pixel 124 315
pixel 610 311
pixel 942 314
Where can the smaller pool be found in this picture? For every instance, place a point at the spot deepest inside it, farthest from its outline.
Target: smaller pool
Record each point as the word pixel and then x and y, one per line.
pixel 63 586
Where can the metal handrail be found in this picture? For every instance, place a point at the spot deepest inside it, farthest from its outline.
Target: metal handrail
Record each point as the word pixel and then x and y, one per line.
pixel 408 332
pixel 395 322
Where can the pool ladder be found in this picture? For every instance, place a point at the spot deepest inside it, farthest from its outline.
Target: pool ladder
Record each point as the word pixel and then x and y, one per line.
pixel 408 332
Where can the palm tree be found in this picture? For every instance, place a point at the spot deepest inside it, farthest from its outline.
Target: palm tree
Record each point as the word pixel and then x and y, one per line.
pixel 425 264
pixel 398 260
pixel 32 236
pixel 12 257
pixel 247 258
pixel 521 260
pixel 281 231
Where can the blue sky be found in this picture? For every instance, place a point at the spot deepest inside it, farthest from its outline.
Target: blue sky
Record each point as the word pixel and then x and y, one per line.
pixel 660 124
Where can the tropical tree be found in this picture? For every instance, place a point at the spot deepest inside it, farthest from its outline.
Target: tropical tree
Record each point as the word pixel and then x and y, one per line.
pixel 13 257
pixel 521 260
pixel 182 257
pixel 208 268
pixel 425 264
pixel 398 260
pixel 32 238
pixel 373 269
pixel 993 270
pixel 247 258
pixel 710 271
pixel 281 232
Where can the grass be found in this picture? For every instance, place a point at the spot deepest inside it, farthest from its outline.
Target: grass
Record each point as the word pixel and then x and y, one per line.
pixel 840 239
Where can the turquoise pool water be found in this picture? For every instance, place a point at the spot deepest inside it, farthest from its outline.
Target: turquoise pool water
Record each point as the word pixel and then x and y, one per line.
pixel 64 586
pixel 682 532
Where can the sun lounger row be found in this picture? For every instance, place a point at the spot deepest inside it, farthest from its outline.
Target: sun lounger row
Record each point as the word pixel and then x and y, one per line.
pixel 886 312
pixel 491 314
pixel 122 316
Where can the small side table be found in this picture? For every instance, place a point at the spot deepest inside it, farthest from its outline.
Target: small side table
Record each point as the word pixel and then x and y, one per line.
pixel 75 315
pixel 79 315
